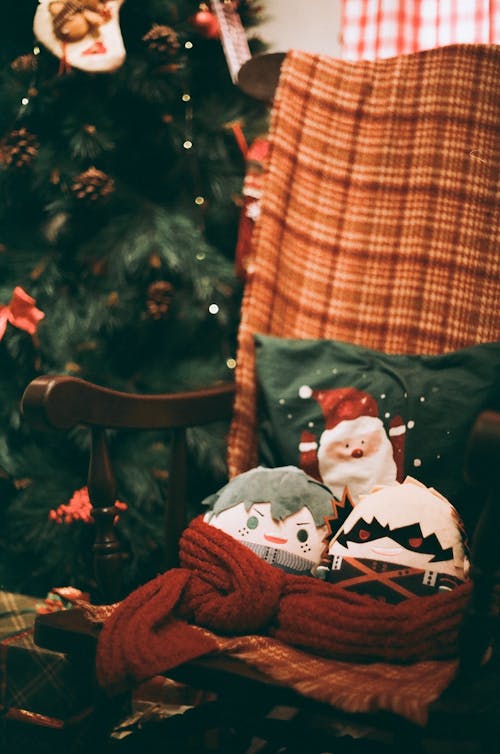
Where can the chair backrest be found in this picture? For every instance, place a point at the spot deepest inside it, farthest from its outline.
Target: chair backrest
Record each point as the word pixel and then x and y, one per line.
pixel 379 216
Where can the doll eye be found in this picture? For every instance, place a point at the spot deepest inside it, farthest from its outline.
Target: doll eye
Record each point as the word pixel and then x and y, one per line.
pixel 415 542
pixel 253 522
pixel 302 535
pixel 364 534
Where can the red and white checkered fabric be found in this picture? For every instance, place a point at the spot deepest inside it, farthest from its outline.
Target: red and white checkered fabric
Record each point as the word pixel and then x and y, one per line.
pixel 383 28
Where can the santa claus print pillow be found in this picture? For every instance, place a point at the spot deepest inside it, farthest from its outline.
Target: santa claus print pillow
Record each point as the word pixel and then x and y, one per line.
pixel 352 416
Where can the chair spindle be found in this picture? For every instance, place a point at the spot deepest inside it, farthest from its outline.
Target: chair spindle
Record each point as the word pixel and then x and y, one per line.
pixel 108 551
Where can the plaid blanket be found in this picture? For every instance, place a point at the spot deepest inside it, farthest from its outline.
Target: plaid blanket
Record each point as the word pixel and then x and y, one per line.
pixel 36 685
pixel 379 215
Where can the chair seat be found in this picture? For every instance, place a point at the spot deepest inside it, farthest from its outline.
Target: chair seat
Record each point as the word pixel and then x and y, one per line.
pixel 71 632
pixel 469 704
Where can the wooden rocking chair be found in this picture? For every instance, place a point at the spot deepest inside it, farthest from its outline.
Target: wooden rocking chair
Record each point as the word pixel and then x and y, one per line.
pixel 378 227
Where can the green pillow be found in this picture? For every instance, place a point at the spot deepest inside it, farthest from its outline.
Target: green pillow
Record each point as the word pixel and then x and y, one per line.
pixel 352 416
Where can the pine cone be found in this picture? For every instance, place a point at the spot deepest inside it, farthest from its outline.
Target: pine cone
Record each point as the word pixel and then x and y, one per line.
pixel 92 184
pixel 19 148
pixel 162 40
pixel 159 299
pixel 25 63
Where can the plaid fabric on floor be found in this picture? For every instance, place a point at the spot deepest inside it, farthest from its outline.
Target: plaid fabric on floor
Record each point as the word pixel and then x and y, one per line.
pixel 382 28
pixel 379 215
pixel 36 685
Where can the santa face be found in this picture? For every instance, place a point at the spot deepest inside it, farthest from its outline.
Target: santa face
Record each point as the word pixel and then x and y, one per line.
pixel 297 533
pixel 356 454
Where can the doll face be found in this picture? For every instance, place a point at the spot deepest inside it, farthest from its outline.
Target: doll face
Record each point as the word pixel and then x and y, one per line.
pixel 403 544
pixel 297 533
pixel 405 524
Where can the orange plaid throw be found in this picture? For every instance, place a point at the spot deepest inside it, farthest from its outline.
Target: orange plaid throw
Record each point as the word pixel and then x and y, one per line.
pixel 379 216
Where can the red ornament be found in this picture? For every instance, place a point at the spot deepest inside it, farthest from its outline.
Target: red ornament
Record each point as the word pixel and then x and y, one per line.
pixel 206 24
pixel 21 312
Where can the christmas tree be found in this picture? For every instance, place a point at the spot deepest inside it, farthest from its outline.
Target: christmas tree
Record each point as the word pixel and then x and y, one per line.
pixel 121 168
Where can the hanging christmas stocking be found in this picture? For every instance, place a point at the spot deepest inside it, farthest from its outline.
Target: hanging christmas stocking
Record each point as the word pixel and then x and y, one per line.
pixel 83 34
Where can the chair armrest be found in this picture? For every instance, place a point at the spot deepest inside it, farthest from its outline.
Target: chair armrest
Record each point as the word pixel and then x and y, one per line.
pixel 482 462
pixel 67 631
pixel 482 468
pixel 61 402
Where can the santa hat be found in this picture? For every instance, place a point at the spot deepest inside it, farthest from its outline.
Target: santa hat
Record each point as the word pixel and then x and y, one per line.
pixel 345 404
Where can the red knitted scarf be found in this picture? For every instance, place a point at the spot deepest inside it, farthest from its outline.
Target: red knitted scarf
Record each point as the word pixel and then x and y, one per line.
pixel 224 587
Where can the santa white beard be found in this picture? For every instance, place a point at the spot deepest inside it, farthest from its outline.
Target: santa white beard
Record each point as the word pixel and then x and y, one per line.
pixel 360 475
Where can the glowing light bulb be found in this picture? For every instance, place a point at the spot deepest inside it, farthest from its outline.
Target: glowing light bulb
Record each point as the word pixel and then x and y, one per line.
pixel 213 309
pixel 187 144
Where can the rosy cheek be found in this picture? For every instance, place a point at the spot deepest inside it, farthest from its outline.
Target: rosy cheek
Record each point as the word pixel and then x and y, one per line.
pixel 337 452
pixel 373 442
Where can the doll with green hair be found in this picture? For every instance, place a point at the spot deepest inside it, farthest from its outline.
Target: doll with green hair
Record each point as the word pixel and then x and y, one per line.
pixel 278 513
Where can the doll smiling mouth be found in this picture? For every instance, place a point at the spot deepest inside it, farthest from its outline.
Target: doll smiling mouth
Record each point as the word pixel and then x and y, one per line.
pixel 387 550
pixel 275 540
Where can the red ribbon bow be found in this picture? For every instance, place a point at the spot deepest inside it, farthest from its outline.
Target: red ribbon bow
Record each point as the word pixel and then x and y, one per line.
pixel 21 312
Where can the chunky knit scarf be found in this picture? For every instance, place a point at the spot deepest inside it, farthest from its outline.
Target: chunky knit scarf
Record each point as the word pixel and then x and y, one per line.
pixel 224 587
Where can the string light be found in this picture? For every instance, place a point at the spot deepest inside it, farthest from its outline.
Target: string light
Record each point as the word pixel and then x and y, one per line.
pixel 198 199
pixel 213 309
pixel 201 256
pixel 231 363
pixel 32 91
